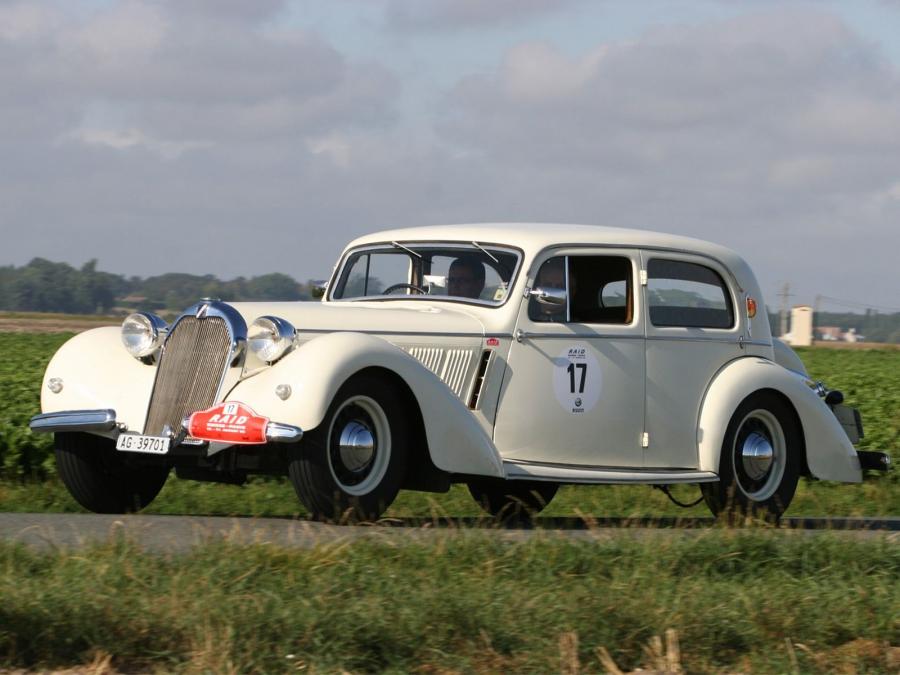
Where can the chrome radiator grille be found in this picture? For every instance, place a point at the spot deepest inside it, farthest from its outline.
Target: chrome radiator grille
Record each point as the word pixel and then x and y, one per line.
pixel 190 370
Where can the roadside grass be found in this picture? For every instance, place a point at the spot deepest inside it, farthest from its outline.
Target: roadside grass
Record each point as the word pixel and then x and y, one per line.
pixel 750 601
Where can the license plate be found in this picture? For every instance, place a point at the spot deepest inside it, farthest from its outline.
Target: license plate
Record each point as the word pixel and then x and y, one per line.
pixel 155 445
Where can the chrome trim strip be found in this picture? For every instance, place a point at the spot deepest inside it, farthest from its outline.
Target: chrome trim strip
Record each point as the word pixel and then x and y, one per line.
pixel 409 333
pixel 74 420
pixel 525 335
pixel 699 338
pixel 518 470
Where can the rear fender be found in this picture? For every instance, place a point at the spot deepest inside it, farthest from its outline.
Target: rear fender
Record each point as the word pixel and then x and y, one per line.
pixel 829 453
pixel 316 370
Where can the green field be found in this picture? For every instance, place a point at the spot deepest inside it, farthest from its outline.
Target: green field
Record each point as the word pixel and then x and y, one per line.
pixel 870 380
pixel 746 601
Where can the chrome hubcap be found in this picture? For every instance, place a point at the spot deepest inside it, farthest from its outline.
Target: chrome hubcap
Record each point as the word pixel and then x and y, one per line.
pixel 757 455
pixel 357 445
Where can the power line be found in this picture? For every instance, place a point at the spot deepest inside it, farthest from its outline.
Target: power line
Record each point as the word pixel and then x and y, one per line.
pixel 855 303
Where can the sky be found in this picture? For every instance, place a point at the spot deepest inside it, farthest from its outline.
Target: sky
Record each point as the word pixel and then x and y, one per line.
pixel 244 137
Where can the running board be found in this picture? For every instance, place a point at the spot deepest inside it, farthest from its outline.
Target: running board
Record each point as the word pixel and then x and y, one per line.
pixel 567 474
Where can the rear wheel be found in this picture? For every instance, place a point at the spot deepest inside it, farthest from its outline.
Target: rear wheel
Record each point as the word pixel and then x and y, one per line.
pixel 512 500
pixel 760 462
pixel 98 477
pixel 352 465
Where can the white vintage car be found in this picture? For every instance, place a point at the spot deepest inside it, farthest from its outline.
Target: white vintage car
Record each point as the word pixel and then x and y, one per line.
pixel 514 358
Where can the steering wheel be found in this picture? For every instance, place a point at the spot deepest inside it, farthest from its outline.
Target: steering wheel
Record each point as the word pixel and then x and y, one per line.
pixel 397 287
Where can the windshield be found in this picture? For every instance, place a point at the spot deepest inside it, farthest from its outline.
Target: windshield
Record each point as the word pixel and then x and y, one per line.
pixel 467 272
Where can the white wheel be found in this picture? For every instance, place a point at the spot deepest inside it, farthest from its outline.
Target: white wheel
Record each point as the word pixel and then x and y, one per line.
pixel 359 447
pixel 759 455
pixel 352 465
pixel 760 462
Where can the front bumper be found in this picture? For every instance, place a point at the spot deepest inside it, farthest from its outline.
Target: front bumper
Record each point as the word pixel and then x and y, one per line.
pixel 74 420
pixel 105 421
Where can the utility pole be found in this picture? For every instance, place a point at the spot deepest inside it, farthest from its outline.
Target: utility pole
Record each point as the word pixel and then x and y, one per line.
pixel 784 295
pixel 816 315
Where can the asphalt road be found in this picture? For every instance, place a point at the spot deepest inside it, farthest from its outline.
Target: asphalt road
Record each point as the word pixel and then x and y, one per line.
pixel 180 533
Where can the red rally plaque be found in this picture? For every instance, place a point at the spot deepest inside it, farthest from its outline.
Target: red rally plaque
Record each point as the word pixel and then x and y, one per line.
pixel 229 422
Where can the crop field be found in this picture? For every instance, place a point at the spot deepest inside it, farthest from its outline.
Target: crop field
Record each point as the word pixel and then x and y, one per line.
pixel 870 379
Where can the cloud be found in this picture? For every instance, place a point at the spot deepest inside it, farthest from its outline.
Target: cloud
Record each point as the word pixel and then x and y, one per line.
pixel 175 75
pixel 455 14
pixel 768 132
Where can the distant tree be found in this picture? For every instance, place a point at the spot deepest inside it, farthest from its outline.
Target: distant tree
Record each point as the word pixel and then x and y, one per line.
pixel 274 286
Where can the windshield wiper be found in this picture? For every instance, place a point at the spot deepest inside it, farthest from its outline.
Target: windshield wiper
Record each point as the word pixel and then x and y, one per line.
pixel 408 250
pixel 486 252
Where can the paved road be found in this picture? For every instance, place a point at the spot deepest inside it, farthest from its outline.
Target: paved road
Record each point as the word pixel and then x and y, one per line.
pixel 180 533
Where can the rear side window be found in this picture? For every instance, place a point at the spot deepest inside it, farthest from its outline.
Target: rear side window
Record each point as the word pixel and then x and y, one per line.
pixel 686 294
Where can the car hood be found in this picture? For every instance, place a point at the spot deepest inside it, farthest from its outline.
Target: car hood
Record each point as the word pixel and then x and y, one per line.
pixel 413 317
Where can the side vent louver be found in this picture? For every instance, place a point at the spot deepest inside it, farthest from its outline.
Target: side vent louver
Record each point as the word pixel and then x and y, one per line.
pixel 479 379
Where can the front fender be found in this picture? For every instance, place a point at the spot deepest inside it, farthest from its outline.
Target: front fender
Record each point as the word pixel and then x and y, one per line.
pixel 829 453
pixel 317 369
pixel 98 373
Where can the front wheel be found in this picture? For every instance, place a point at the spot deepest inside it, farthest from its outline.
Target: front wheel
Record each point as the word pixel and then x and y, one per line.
pixel 98 477
pixel 512 500
pixel 353 463
pixel 760 462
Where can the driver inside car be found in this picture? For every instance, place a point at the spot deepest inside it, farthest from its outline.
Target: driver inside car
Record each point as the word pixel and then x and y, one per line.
pixel 465 278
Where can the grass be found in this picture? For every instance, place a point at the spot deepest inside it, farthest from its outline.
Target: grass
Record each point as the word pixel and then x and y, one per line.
pixel 462 602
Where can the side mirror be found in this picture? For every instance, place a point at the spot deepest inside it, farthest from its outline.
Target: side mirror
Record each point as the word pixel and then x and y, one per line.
pixel 554 297
pixel 318 288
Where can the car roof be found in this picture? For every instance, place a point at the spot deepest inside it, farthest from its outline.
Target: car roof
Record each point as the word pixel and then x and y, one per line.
pixel 534 237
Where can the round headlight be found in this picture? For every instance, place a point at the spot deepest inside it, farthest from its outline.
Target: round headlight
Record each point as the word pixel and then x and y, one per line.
pixel 270 337
pixel 143 333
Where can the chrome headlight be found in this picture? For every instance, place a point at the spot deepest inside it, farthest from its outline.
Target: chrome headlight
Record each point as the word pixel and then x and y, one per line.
pixel 269 338
pixel 143 333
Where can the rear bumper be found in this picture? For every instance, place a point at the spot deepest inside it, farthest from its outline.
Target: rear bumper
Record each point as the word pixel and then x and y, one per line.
pixel 100 421
pixel 869 460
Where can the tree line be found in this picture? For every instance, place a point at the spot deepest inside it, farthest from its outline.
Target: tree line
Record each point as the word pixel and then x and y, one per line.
pixel 46 286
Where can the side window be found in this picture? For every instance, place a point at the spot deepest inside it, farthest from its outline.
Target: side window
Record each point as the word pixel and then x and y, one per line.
pixel 686 294
pixel 599 289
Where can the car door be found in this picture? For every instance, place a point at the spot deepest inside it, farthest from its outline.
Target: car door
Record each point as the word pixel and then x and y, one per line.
pixel 573 391
pixel 693 329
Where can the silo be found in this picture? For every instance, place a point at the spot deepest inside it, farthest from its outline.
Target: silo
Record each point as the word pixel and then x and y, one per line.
pixel 801 326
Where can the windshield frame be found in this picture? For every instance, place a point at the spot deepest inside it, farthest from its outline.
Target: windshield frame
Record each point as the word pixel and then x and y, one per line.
pixel 442 244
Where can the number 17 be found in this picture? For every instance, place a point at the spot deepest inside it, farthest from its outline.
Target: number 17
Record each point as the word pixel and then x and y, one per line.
pixel 571 370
